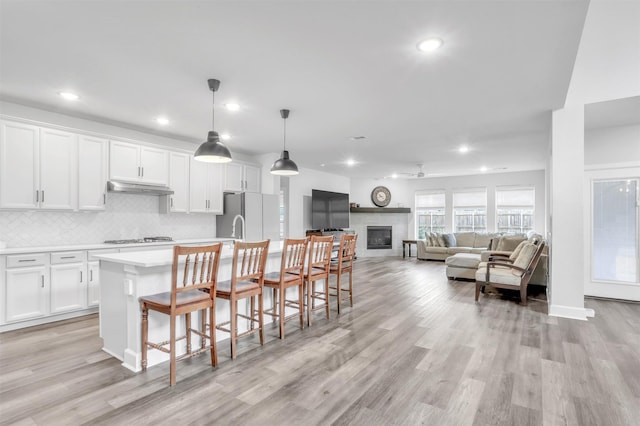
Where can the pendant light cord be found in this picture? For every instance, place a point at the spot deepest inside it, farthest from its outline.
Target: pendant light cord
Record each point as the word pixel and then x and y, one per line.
pixel 284 138
pixel 213 109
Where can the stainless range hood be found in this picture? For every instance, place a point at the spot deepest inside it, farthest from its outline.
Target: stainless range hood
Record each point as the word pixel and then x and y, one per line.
pixel 137 188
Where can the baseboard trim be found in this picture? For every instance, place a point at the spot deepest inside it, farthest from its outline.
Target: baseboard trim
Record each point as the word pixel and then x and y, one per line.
pixel 571 312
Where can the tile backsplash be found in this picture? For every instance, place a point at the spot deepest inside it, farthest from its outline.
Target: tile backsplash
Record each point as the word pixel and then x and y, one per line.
pixel 126 216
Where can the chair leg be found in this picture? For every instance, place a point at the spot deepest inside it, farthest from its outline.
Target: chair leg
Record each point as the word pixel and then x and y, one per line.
pixel 172 351
pixel 261 317
pixel 338 290
pixel 252 310
pixel 351 289
pixel 145 332
pixel 301 304
pixel 478 285
pixel 326 296
pixel 281 307
pixel 233 326
pixel 309 288
pixel 212 334
pixel 187 323
pixel 523 295
pixel 274 303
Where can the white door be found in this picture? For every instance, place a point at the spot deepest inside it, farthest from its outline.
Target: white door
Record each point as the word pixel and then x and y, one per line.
pixel 252 179
pixel 68 287
pixel 124 161
pixel 58 169
pixel 154 165
pixel 215 183
pixel 612 226
pixel 26 293
pixel 198 197
pixel 233 177
pixel 92 173
pixel 179 182
pixel 93 283
pixel 19 173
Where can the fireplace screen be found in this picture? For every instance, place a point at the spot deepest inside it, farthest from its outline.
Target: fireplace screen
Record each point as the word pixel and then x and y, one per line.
pixel 378 237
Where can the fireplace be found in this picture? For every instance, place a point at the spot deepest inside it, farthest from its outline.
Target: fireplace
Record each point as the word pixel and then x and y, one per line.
pixel 378 237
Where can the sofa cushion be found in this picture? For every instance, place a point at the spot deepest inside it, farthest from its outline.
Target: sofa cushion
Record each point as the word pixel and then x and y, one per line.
pixel 524 258
pixel 465 239
pixel 440 250
pixel 463 260
pixel 497 275
pixel 454 250
pixel 482 240
pixel 514 255
pixel 441 242
pixel 509 242
pixel 449 240
pixel 478 250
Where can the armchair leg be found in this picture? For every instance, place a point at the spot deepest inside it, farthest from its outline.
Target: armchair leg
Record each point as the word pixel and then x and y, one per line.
pixel 478 285
pixel 523 295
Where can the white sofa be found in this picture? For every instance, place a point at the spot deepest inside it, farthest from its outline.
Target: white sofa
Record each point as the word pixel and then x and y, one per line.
pixel 437 247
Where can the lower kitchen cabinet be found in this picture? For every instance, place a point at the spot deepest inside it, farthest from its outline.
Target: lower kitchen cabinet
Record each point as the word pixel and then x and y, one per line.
pixel 26 293
pixel 93 283
pixel 68 287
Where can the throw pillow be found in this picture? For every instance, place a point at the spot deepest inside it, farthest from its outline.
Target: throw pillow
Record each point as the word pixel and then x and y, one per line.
pixel 509 243
pixel 517 251
pixel 449 240
pixel 441 242
pixel 524 258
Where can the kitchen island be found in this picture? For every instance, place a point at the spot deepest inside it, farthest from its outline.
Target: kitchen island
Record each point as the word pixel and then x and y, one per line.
pixel 125 277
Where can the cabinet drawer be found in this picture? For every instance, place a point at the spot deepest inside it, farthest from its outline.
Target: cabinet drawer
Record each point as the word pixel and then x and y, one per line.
pixel 23 260
pixel 68 257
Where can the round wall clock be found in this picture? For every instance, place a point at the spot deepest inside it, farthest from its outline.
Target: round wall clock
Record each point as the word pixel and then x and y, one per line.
pixel 380 196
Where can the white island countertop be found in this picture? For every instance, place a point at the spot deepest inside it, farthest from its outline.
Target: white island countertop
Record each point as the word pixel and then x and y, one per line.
pixel 151 258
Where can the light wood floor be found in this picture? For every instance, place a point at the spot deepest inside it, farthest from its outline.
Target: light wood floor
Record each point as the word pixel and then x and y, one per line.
pixel 414 349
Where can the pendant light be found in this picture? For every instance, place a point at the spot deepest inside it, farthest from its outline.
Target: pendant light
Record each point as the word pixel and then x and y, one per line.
pixel 284 166
pixel 212 150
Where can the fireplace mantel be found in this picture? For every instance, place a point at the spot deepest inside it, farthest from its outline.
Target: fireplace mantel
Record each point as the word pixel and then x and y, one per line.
pixel 380 210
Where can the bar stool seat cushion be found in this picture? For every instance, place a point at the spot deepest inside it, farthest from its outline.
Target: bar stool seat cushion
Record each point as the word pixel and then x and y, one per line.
pixel 224 287
pixel 274 277
pixel 184 298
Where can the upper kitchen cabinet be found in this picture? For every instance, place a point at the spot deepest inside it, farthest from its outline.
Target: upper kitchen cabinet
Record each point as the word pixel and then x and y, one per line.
pixel 240 177
pixel 205 187
pixel 137 163
pixel 92 171
pixel 178 202
pixel 38 167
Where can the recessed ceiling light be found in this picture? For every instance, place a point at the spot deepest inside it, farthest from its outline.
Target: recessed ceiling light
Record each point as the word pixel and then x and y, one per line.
pixel 430 44
pixel 163 121
pixel 225 136
pixel 394 176
pixel 232 107
pixel 463 149
pixel 69 96
pixel 351 162
pixel 322 165
pixel 483 169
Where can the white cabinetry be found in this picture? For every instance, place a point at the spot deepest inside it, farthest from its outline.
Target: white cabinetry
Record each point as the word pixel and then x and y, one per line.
pixel 26 291
pixel 240 177
pixel 38 167
pixel 205 194
pixel 93 283
pixel 92 171
pixel 179 182
pixel 137 163
pixel 68 281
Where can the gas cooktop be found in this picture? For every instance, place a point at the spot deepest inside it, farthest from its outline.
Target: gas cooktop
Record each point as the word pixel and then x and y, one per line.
pixel 140 240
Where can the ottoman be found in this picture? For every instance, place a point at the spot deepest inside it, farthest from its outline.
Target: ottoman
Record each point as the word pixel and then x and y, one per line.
pixel 462 265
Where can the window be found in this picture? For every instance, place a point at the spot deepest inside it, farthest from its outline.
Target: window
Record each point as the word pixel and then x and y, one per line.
pixel 470 210
pixel 514 209
pixel 430 209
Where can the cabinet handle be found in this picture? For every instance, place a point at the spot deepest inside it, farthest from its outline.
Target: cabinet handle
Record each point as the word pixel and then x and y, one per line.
pixel 26 260
pixel 142 175
pixel 80 276
pixel 37 196
pixel 42 281
pixel 104 198
pixel 171 199
pixel 43 196
pixel 91 275
pixel 138 171
pixel 68 257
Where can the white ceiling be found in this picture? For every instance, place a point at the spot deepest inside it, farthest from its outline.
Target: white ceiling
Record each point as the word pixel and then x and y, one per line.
pixel 343 68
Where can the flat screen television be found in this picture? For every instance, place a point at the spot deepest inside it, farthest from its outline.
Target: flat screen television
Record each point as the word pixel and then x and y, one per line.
pixel 329 210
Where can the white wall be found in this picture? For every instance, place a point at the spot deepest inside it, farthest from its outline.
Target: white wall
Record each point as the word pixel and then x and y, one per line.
pixel 612 145
pixel 300 186
pixel 607 67
pixel 403 193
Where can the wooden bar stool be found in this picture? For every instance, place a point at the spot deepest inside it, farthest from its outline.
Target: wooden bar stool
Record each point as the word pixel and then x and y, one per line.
pixel 318 269
pixel 199 272
pixel 344 265
pixel 291 274
pixel 247 279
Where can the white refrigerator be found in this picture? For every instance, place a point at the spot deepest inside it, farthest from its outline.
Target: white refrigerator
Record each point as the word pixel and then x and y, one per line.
pixel 261 213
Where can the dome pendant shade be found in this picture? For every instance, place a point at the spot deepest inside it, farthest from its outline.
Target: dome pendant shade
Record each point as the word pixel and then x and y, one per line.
pixel 212 150
pixel 284 166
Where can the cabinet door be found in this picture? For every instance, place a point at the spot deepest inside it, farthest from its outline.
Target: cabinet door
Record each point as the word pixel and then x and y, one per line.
pixel 92 173
pixel 58 169
pixel 68 288
pixel 19 173
pixel 179 182
pixel 215 182
pixel 252 178
pixel 124 161
pixel 154 165
pixel 233 177
pixel 198 197
pixel 26 294
pixel 93 283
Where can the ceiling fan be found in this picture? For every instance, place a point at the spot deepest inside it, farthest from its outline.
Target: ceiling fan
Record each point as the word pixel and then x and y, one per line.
pixel 419 174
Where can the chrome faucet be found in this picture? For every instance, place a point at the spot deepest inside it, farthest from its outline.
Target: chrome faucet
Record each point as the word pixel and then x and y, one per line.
pixel 233 228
